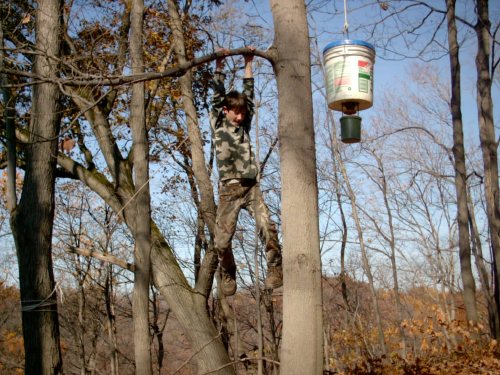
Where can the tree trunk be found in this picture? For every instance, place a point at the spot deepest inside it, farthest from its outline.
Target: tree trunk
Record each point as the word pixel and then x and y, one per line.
pixel 189 309
pixel 337 166
pixel 365 261
pixel 10 131
pixel 141 198
pixel 468 282
pixel 212 356
pixel 204 278
pixel 82 306
pixel 302 347
pixel 110 321
pixel 32 221
pixel 158 329
pixel 488 144
pixel 482 268
pixel 391 239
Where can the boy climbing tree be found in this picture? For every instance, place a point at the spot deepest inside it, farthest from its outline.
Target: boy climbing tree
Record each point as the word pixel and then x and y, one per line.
pixel 230 119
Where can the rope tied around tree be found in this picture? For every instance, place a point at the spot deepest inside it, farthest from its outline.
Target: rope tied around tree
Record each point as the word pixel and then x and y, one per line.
pixel 33 305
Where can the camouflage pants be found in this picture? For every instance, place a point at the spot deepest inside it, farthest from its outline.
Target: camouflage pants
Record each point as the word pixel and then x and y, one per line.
pixel 245 194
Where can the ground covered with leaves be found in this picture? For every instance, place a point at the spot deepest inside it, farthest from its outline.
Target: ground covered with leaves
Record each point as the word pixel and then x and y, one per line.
pixel 475 358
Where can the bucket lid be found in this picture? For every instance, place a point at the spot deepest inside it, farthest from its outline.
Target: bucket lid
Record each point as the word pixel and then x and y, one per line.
pixel 349 42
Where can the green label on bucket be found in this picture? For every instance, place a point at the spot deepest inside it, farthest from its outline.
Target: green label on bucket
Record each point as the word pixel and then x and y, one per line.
pixel 364 75
pixel 363 82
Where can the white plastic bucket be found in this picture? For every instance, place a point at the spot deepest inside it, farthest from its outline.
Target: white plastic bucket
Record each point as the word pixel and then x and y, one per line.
pixel 349 73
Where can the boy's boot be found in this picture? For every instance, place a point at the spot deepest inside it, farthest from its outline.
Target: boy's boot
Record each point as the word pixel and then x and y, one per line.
pixel 274 278
pixel 228 281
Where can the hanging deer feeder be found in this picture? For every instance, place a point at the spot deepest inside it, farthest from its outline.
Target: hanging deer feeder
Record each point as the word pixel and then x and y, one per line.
pixel 349 83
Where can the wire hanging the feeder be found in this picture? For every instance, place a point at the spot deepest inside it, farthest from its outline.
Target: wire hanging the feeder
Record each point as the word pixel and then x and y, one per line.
pixel 349 80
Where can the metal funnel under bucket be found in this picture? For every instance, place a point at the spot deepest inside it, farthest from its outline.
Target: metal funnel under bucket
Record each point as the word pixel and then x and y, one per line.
pixel 350 129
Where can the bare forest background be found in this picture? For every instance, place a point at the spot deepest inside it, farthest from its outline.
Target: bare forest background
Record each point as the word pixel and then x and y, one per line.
pixel 109 190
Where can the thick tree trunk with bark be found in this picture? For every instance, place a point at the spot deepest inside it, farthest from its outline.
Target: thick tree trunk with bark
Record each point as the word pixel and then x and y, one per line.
pixel 32 220
pixel 468 282
pixel 141 199
pixel 302 347
pixel 488 145
pixel 189 309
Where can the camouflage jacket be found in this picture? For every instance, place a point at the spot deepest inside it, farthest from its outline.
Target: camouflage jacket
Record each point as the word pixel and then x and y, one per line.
pixel 235 158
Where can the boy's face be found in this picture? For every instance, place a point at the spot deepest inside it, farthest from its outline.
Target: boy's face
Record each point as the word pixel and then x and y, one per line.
pixel 235 116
